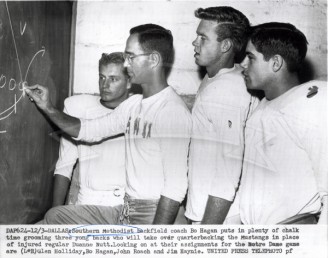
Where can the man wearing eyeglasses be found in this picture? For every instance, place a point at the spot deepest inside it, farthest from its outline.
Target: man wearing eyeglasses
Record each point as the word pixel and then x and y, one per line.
pixel 157 128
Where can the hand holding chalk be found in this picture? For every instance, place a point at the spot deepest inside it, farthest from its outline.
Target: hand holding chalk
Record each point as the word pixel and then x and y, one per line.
pixel 24 84
pixel 40 95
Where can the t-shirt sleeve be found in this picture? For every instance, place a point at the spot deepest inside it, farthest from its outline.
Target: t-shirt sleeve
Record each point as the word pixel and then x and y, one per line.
pixel 94 130
pixel 68 154
pixel 315 143
pixel 309 126
pixel 174 131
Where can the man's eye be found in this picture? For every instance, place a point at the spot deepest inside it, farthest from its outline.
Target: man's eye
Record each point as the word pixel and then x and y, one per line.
pixel 249 57
pixel 114 79
pixel 101 78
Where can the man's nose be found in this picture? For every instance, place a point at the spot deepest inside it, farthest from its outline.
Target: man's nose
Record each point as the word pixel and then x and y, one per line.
pixel 126 62
pixel 244 63
pixel 105 83
pixel 195 42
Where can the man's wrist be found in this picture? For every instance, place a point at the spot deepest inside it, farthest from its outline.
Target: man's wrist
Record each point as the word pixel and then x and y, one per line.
pixel 50 109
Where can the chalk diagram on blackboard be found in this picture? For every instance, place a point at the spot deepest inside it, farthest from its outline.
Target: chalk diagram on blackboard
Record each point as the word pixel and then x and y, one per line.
pixel 8 83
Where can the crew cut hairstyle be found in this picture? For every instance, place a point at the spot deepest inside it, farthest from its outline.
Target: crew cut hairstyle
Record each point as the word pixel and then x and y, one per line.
pixel 153 37
pixel 113 58
pixel 284 39
pixel 232 24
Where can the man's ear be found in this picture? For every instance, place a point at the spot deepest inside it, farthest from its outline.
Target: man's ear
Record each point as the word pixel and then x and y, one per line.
pixel 155 59
pixel 277 62
pixel 226 45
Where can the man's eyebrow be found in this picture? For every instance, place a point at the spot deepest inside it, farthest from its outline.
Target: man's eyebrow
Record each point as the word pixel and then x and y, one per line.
pixel 249 53
pixel 200 34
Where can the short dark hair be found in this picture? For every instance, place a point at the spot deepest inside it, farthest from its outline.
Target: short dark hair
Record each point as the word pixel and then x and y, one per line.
pixel 153 37
pixel 283 39
pixel 233 24
pixel 113 58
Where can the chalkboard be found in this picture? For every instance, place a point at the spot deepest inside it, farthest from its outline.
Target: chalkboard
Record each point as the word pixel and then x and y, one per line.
pixel 35 43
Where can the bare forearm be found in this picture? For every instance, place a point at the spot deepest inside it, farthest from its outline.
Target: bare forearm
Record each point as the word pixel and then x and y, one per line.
pixel 167 211
pixel 68 124
pixel 216 210
pixel 61 185
pixel 40 96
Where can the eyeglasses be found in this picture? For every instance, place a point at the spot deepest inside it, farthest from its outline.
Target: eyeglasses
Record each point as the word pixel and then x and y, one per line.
pixel 130 58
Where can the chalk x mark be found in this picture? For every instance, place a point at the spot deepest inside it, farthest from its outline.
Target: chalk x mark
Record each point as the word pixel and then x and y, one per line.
pixel 11 109
pixel 23 92
pixel 20 27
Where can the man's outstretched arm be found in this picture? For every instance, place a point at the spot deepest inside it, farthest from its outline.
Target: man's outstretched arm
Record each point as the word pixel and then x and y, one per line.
pixel 40 96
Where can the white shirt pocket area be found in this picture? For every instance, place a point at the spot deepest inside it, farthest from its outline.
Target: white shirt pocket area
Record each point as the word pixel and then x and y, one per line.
pixel 230 148
pixel 230 125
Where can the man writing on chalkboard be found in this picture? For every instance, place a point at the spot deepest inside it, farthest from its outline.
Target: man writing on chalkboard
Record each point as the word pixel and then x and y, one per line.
pixel 101 166
pixel 157 128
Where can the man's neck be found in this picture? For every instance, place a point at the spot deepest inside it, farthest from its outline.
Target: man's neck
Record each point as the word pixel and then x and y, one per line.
pixel 281 86
pixel 157 84
pixel 222 63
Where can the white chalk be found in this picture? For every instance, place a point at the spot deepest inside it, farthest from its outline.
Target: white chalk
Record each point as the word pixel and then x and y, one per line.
pixel 24 88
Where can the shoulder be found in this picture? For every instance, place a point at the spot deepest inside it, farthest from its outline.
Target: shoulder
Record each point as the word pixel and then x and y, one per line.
pixel 129 102
pixel 307 102
pixel 228 88
pixel 82 100
pixel 307 95
pixel 313 91
pixel 174 101
pixel 133 98
pixel 229 83
pixel 174 110
pixel 77 104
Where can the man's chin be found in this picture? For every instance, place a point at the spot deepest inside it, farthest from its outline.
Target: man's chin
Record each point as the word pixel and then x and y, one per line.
pixel 106 98
pixel 200 62
pixel 248 84
pixel 197 61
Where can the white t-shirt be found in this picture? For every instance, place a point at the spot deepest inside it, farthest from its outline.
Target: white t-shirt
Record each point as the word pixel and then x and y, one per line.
pixel 101 165
pixel 221 107
pixel 157 134
pixel 285 168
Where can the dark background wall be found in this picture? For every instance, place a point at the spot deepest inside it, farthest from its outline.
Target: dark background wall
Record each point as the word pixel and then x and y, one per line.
pixel 35 40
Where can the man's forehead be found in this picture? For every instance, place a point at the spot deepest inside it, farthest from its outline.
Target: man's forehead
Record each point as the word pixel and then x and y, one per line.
pixel 251 48
pixel 206 25
pixel 132 44
pixel 111 68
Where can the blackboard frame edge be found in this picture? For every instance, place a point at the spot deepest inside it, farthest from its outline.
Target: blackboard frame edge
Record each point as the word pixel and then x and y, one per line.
pixel 72 50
